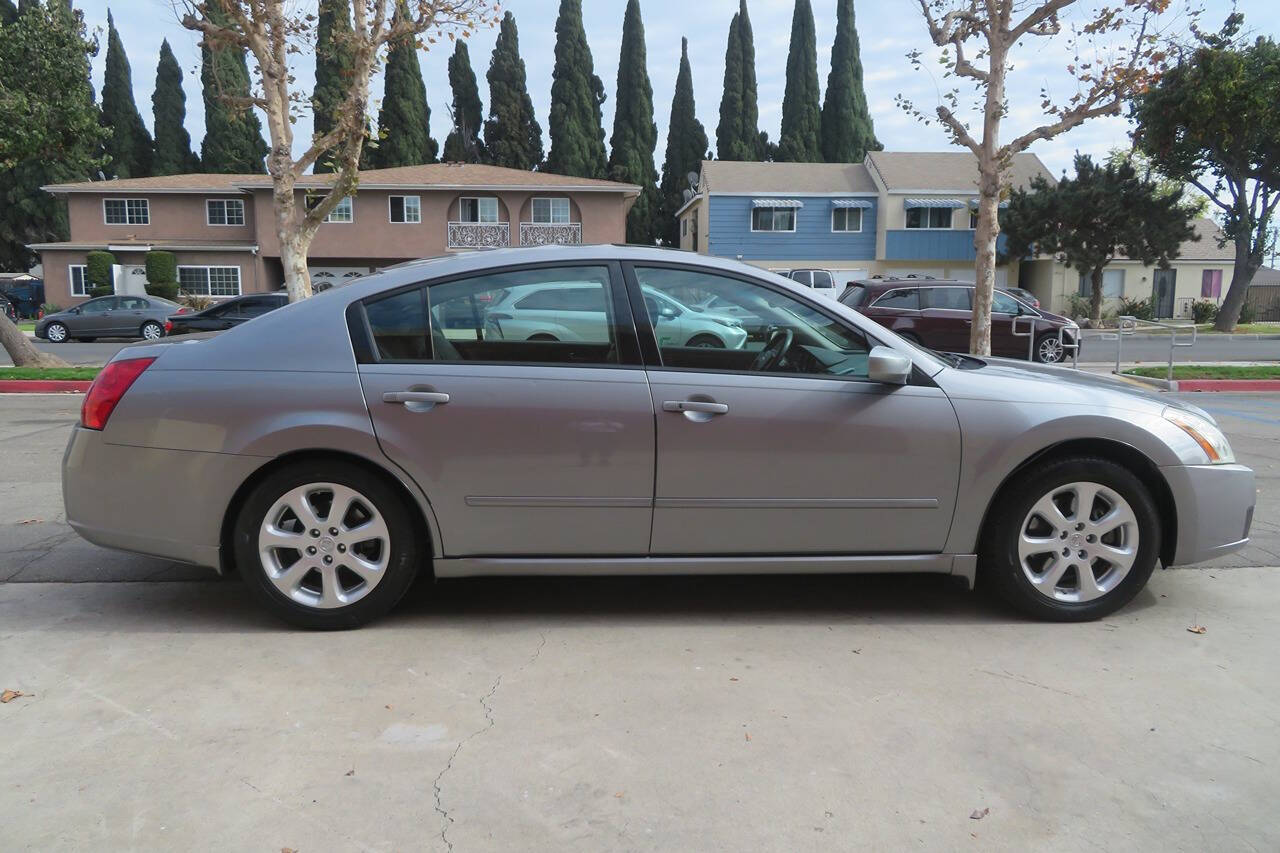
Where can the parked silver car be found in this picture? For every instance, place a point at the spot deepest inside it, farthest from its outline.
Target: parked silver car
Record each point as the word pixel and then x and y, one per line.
pixel 334 449
pixel 109 317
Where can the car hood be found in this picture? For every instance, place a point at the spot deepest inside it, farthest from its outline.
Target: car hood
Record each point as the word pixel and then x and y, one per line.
pixel 1012 380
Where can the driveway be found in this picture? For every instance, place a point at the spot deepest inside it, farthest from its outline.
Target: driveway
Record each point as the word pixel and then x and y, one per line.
pixel 807 713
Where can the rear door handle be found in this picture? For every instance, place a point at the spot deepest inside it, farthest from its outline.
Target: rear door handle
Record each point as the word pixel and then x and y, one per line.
pixel 416 401
pixel 695 406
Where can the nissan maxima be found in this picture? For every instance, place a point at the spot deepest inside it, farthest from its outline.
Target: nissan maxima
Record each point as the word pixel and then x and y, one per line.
pixel 334 450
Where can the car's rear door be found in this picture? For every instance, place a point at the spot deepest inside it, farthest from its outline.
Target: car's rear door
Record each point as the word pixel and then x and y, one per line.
pixel 127 317
pixel 946 315
pixel 898 310
pixel 523 447
pixel 799 454
pixel 1004 311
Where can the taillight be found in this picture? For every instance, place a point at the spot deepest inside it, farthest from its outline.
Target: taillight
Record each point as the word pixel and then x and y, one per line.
pixel 168 326
pixel 108 388
pixel 183 310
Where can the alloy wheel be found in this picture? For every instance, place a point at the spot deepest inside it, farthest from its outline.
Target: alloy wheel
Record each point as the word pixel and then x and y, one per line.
pixel 324 545
pixel 56 333
pixel 1078 542
pixel 152 331
pixel 1050 351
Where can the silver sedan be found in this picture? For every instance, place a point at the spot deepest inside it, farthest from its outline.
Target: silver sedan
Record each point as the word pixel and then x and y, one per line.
pixel 333 450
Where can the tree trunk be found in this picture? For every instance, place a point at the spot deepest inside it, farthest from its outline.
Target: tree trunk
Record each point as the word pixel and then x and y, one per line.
pixel 295 239
pixel 1241 277
pixel 1095 296
pixel 21 351
pixel 984 241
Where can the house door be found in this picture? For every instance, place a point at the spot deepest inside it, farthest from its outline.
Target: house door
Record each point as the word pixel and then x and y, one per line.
pixel 1162 290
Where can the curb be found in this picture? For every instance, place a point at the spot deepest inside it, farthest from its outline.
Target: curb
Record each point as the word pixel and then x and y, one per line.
pixel 1204 384
pixel 44 386
pixel 1086 335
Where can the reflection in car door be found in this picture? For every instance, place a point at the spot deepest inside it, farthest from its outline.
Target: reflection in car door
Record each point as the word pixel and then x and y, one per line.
pixel 752 462
pixel 533 448
pixel 946 315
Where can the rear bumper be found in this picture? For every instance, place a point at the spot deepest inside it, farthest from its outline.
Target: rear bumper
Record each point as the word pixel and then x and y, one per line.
pixel 164 503
pixel 1215 509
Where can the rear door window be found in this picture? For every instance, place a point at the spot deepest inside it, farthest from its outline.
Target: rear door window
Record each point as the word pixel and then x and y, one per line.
pixel 822 279
pixel 903 299
pixel 946 298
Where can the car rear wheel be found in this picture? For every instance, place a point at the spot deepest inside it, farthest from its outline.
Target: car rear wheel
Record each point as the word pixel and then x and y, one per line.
pixel 326 545
pixel 152 331
pixel 1049 349
pixel 706 342
pixel 56 332
pixel 1072 540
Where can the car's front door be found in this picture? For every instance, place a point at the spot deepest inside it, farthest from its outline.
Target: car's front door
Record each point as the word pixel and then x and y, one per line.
pixel 1004 341
pixel 785 446
pixel 94 317
pixel 523 447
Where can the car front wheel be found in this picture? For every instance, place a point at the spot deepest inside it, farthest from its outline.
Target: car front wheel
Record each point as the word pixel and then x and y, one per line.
pixel 1049 349
pixel 1072 540
pixel 705 341
pixel 56 332
pixel 326 545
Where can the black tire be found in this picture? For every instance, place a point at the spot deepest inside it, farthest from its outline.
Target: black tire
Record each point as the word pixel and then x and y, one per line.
pixel 151 324
pixel 999 565
pixel 64 337
pixel 85 340
pixel 1048 349
pixel 706 341
pixel 543 337
pixel 406 555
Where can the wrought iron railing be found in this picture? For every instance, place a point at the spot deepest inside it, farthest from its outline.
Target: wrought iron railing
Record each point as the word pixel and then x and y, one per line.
pixel 544 234
pixel 479 235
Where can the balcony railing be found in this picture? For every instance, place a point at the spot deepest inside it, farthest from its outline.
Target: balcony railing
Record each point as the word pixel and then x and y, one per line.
pixel 479 235
pixel 544 234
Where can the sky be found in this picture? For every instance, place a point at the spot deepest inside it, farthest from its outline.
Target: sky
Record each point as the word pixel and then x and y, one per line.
pixel 887 29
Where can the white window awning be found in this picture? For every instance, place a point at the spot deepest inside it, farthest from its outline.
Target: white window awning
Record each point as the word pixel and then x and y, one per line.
pixel 973 204
pixel 934 202
pixel 776 202
pixel 851 202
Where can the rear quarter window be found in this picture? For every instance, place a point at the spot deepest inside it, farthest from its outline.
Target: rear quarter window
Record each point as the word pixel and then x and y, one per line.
pixel 904 298
pixel 854 295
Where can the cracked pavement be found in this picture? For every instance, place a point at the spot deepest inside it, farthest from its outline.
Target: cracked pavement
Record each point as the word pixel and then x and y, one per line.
pixel 164 710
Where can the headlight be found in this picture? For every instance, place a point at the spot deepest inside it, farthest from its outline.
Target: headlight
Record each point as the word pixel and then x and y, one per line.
pixel 1205 433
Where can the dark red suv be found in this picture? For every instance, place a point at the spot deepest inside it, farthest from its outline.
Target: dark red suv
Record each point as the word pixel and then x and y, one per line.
pixel 937 313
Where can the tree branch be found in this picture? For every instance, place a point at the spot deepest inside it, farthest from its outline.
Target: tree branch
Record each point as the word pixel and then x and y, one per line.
pixel 1042 21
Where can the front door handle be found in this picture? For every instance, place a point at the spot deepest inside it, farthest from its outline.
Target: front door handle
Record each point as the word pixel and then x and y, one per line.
pixel 416 401
pixel 695 406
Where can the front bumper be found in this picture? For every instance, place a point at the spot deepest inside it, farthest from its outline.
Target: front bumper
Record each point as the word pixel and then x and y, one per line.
pixel 1215 509
pixel 164 503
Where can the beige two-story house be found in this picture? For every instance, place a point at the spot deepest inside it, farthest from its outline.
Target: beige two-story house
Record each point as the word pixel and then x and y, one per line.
pixel 221 229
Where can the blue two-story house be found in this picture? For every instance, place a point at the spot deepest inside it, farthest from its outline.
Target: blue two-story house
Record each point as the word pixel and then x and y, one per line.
pixel 896 213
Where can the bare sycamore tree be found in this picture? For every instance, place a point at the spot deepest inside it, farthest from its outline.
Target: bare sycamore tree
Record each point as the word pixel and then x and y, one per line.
pixel 276 35
pixel 977 37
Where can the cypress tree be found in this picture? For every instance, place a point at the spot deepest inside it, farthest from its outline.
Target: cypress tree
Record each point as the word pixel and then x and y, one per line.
pixel 801 138
pixel 8 12
pixel 577 135
pixel 169 108
pixel 130 144
pixel 232 134
pixel 738 135
pixel 512 134
pixel 635 136
pixel 686 146
pixel 463 144
pixel 334 64
pixel 404 121
pixel 847 131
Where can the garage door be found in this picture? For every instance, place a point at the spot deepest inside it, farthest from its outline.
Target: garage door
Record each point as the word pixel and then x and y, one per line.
pixel 323 278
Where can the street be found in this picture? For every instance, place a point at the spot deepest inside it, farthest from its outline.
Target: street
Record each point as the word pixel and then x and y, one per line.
pixel 768 713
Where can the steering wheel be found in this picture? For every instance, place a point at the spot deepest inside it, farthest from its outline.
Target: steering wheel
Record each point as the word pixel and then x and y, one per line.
pixel 774 349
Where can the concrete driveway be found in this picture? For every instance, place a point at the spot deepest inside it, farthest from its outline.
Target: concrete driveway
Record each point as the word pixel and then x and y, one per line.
pixel 813 713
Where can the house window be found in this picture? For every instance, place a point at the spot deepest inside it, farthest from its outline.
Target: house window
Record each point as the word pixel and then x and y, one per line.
pixel 477 210
pixel 229 211
pixel 209 281
pixel 1112 284
pixel 846 219
pixel 343 212
pixel 405 209
pixel 773 219
pixel 973 220
pixel 79 287
pixel 928 217
pixel 126 211
pixel 1211 284
pixel 684 227
pixel 551 211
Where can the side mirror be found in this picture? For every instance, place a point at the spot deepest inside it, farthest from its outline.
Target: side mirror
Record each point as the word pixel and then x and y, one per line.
pixel 888 366
pixel 668 313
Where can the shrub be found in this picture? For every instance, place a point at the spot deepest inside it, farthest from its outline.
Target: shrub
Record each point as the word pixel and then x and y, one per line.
pixel 1248 313
pixel 1139 308
pixel 1204 311
pixel 195 301
pixel 162 274
pixel 49 308
pixel 97 273
pixel 1077 305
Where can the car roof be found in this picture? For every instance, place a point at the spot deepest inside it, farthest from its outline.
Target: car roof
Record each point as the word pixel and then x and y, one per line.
pixel 892 282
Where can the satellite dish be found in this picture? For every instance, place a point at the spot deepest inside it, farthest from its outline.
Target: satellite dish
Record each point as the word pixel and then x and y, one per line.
pixel 693 179
pixel 688 194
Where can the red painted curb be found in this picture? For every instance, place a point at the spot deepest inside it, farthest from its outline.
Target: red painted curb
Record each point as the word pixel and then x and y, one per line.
pixel 43 386
pixel 1228 384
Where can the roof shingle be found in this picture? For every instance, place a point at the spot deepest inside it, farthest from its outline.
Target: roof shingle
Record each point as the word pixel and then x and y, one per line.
pixel 729 176
pixel 947 171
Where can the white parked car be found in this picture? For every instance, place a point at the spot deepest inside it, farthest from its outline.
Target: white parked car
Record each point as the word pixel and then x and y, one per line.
pixel 565 311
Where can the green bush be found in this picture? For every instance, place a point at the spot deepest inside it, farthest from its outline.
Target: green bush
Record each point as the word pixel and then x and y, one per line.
pixel 162 268
pixel 165 290
pixel 1204 311
pixel 1248 313
pixel 50 308
pixel 1077 305
pixel 1139 308
pixel 97 273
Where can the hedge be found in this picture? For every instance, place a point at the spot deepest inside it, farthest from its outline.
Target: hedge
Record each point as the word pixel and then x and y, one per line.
pixel 97 273
pixel 162 274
